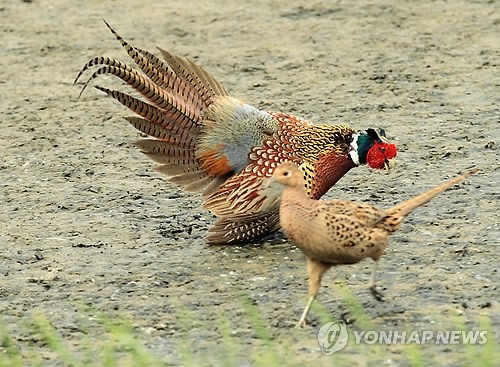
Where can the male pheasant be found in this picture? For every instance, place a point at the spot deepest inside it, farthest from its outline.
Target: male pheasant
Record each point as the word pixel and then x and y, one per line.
pixel 338 232
pixel 206 140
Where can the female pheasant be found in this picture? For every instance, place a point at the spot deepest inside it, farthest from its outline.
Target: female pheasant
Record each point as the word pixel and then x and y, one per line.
pixel 336 232
pixel 206 140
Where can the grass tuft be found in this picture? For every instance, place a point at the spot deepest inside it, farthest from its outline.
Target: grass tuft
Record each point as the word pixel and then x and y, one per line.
pixel 119 343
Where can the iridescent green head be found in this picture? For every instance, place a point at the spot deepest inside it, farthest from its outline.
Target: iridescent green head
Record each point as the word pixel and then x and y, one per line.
pixel 372 148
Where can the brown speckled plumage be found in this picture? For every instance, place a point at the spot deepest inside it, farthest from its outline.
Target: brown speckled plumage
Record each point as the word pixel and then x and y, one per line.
pixel 339 232
pixel 208 141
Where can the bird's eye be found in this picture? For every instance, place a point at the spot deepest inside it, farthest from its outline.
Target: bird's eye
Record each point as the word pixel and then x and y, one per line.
pixel 285 173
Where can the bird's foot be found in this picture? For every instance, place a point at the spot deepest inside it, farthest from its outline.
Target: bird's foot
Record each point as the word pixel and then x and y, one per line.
pixel 376 293
pixel 301 324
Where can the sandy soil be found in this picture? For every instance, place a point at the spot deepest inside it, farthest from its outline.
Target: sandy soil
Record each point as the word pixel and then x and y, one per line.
pixel 86 221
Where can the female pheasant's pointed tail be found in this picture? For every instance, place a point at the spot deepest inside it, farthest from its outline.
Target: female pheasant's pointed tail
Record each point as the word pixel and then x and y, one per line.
pixel 398 212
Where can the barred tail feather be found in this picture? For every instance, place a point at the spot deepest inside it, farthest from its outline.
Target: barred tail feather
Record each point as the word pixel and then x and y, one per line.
pixel 176 169
pixel 188 178
pixel 177 94
pixel 200 79
pixel 159 73
pixel 164 131
pixel 165 148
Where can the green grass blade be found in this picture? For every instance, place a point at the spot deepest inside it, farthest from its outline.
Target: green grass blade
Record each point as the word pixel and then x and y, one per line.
pixel 270 356
pixel 230 346
pixel 12 356
pixel 54 341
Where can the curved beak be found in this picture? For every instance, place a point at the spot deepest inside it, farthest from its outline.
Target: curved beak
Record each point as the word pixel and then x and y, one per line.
pixel 389 165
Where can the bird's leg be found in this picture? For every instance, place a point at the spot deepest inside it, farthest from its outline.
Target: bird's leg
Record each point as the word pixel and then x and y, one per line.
pixel 315 269
pixel 302 321
pixel 372 286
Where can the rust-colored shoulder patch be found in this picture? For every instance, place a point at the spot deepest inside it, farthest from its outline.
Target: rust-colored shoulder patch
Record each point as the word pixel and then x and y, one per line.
pixel 215 163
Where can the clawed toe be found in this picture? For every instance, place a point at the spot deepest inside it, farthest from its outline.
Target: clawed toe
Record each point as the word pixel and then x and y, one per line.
pixel 301 324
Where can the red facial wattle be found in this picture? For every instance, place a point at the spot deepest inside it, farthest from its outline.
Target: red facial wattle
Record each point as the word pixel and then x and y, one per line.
pixel 380 153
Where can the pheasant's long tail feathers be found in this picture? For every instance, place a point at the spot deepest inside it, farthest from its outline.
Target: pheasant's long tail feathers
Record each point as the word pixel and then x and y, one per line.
pixel 165 77
pixel 175 139
pixel 183 104
pixel 408 206
pixel 243 228
pixel 199 78
pixel 162 122
pixel 177 94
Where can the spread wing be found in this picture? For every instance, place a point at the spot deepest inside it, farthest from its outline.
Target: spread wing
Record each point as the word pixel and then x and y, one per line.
pixel 243 228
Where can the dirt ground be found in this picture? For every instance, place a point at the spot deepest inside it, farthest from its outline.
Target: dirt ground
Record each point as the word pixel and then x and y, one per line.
pixel 86 220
